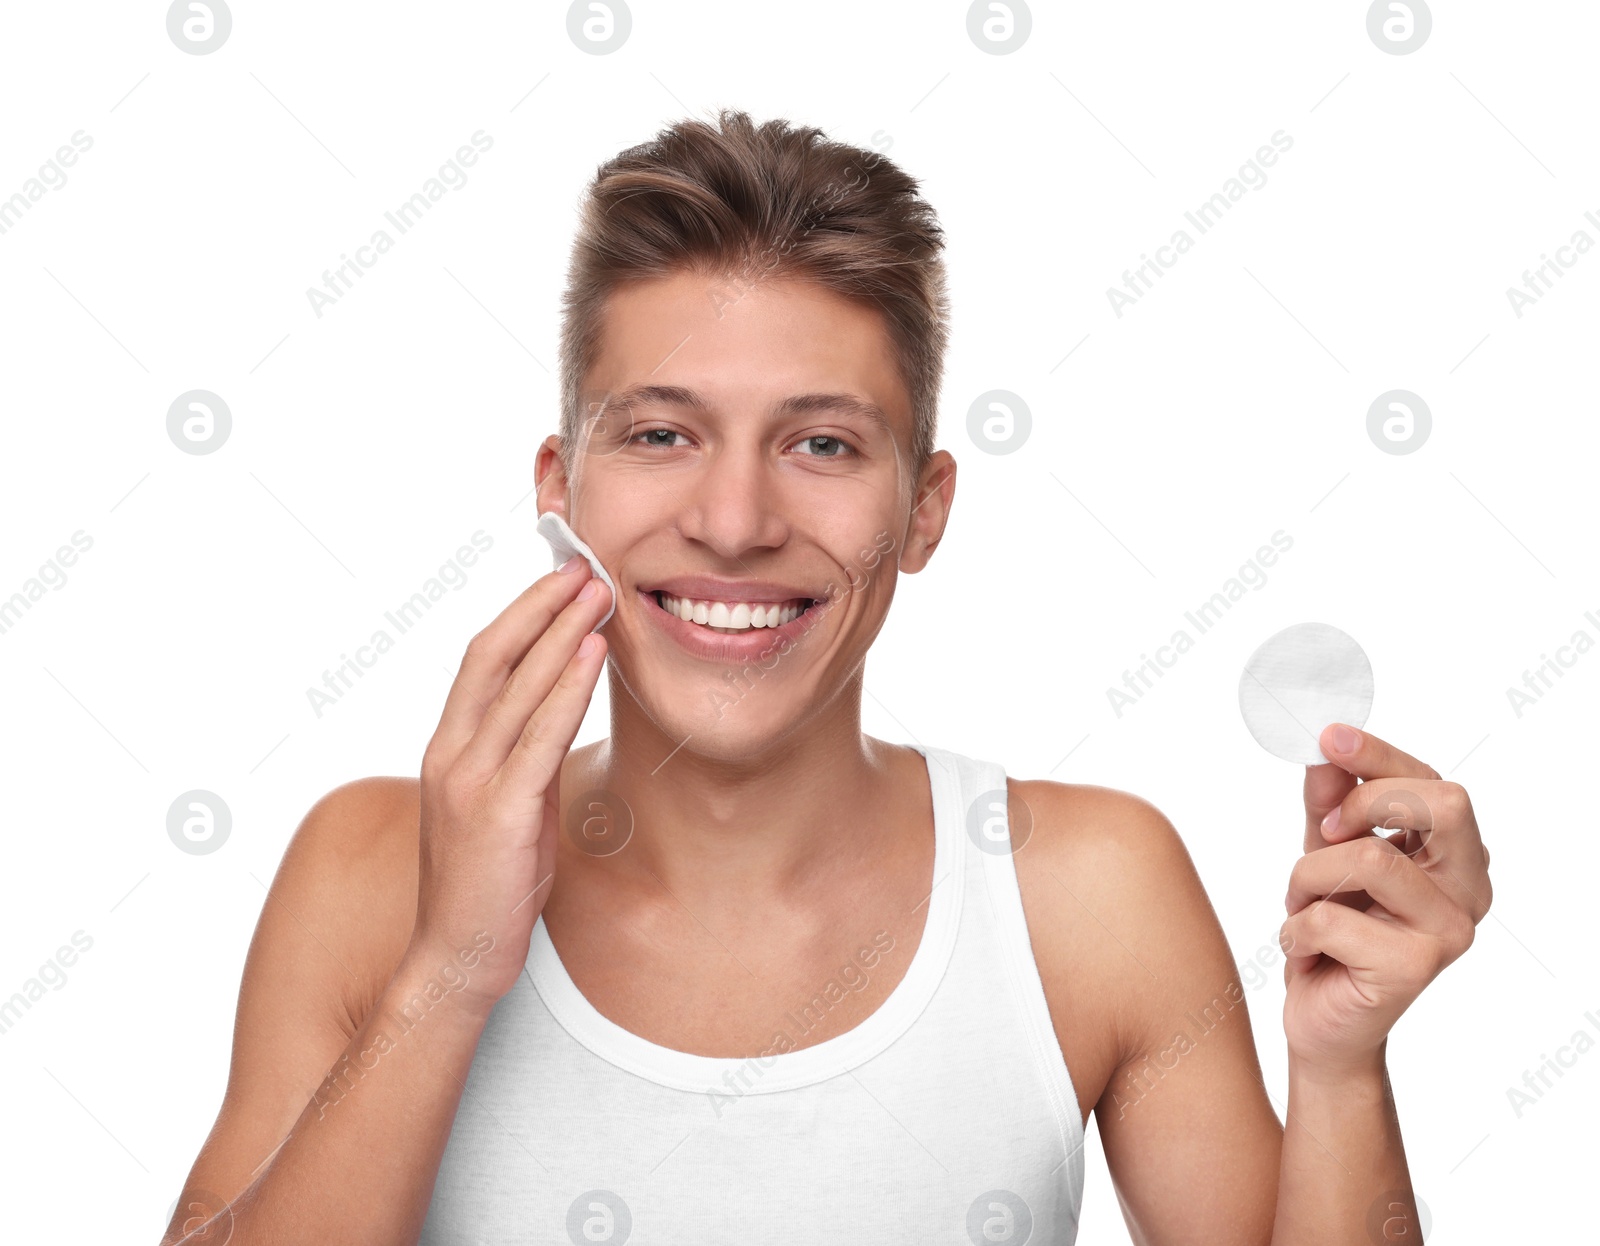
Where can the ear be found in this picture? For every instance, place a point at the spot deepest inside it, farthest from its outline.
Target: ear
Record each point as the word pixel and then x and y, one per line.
pixel 930 511
pixel 550 477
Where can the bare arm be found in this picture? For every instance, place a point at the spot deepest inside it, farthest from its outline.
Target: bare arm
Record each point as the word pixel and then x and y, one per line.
pixel 1197 1154
pixel 1344 1176
pixel 362 1007
pixel 1191 1139
pixel 308 1091
pixel 360 1162
pixel 1373 918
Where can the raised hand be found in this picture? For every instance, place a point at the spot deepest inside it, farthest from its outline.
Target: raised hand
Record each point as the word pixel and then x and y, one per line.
pixel 1373 917
pixel 491 791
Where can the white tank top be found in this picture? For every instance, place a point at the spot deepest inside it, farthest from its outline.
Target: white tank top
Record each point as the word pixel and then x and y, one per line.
pixel 948 1115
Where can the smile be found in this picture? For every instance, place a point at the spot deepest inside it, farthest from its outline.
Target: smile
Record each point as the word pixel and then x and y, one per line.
pixel 729 622
pixel 733 617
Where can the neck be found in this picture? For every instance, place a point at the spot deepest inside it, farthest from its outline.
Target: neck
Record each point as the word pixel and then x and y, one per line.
pixel 715 821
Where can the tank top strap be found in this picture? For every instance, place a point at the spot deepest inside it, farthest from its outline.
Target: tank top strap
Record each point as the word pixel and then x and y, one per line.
pixel 993 843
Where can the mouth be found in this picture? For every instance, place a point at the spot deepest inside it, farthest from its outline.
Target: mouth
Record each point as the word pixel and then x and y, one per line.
pixel 732 621
pixel 732 618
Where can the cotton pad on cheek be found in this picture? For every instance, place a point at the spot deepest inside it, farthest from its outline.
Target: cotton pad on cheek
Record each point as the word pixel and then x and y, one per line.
pixel 1298 682
pixel 564 542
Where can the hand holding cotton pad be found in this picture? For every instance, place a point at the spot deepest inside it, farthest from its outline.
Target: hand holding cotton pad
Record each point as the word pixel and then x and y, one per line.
pixel 1298 682
pixel 564 542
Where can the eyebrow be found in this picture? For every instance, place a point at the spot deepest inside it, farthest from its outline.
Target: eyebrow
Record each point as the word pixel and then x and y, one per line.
pixel 636 396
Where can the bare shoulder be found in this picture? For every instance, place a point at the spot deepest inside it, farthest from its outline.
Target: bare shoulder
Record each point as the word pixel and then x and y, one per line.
pixel 361 841
pixel 1146 1000
pixel 1113 843
pixel 1115 853
pixel 1109 891
pixel 346 888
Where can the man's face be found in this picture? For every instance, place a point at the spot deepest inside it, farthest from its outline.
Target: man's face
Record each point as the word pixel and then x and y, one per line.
pixel 730 484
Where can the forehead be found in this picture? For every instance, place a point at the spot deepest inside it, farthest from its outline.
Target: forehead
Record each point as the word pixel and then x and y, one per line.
pixel 747 341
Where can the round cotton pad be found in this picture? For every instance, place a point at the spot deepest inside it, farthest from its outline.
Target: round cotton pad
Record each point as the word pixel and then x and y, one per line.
pixel 564 543
pixel 1298 682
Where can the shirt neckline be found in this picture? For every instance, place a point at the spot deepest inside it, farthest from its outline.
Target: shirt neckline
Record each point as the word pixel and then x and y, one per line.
pixel 784 1070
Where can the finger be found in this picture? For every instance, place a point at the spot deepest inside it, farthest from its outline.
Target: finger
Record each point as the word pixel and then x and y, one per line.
pixel 1404 959
pixel 1326 786
pixel 535 761
pixel 1433 823
pixel 1357 940
pixel 549 828
pixel 495 651
pixel 1359 899
pixel 1366 756
pixel 1376 867
pixel 522 692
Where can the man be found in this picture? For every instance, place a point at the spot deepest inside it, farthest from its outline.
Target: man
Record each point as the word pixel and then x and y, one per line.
pixel 739 972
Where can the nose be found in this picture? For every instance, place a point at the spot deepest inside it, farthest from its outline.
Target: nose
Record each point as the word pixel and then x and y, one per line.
pixel 730 503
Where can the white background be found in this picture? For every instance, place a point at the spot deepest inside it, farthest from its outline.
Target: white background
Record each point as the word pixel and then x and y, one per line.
pixel 369 443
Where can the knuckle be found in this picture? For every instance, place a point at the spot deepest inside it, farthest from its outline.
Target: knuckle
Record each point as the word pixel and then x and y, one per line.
pixel 1398 808
pixel 513 690
pixel 484 649
pixel 454 788
pixel 1379 855
pixel 1451 943
pixel 534 735
pixel 570 679
pixel 1421 966
pixel 1453 800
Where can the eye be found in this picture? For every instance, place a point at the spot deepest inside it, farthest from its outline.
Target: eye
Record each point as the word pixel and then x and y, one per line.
pixel 651 433
pixel 824 447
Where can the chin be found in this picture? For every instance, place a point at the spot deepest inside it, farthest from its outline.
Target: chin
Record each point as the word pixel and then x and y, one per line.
pixel 733 697
pixel 724 713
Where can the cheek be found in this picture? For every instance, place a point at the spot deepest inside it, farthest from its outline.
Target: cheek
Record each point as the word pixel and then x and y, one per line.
pixel 613 516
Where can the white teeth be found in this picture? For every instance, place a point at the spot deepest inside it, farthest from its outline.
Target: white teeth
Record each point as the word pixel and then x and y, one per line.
pixel 739 616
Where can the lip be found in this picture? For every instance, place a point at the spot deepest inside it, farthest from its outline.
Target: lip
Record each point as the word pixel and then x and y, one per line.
pixel 711 588
pixel 732 647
